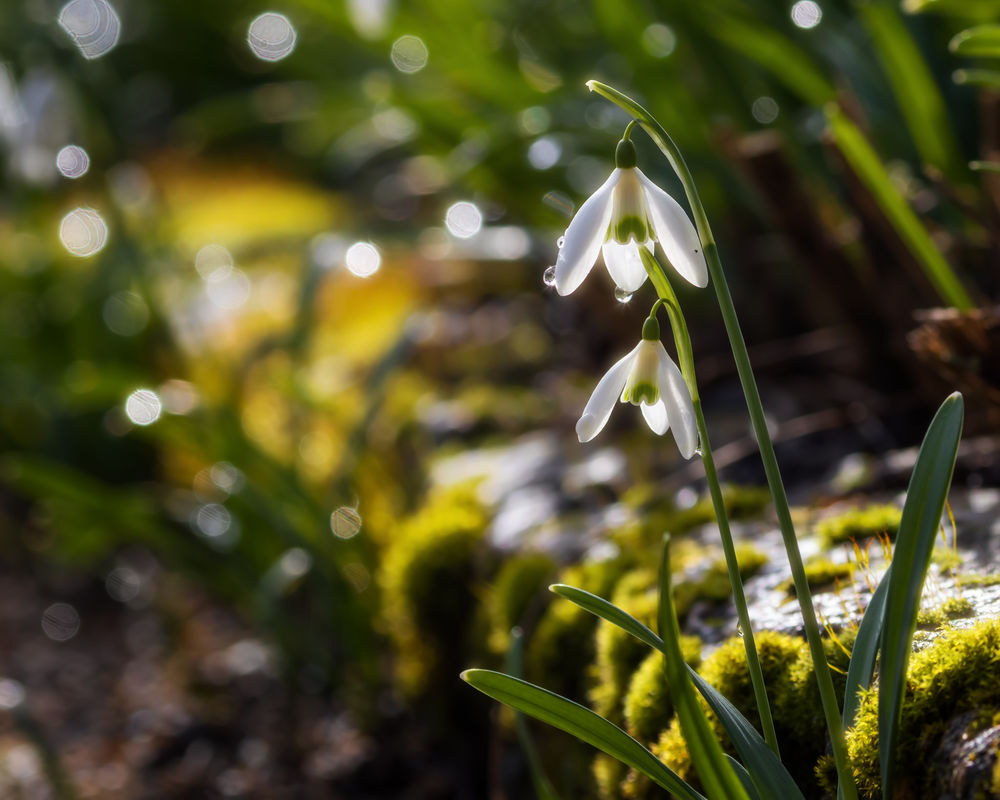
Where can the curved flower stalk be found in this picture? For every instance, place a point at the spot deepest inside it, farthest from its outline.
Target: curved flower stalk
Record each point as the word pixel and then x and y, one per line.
pixel 627 212
pixel 824 678
pixel 647 377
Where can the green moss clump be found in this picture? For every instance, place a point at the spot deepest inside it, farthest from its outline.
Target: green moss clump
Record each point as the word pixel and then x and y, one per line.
pixel 960 672
pixel 618 652
pixel 859 523
pixel 798 709
pixel 647 705
pixel 726 670
pixel 979 580
pixel 792 693
pixel 821 574
pixel 562 644
pixel 427 584
pixel 658 515
pixel 946 558
pixel 520 584
pixel 952 608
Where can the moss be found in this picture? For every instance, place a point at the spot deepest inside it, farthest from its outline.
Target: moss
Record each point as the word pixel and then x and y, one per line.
pixel 820 574
pixel 519 585
pixel 712 583
pixel 960 672
pixel 859 523
pixel 658 515
pixel 726 670
pixel 608 775
pixel 618 652
pixel 798 710
pixel 562 645
pixel 979 580
pixel 427 583
pixel 946 558
pixel 792 693
pixel 952 608
pixel 647 706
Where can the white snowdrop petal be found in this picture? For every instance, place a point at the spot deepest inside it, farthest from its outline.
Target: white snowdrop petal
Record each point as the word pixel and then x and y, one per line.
pixel 624 264
pixel 656 416
pixel 680 411
pixel 676 233
pixel 598 409
pixel 584 237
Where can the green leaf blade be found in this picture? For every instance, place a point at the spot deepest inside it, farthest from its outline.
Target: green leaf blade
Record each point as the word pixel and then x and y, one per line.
pixel 983 41
pixel 764 767
pixel 925 499
pixel 862 665
pixel 580 722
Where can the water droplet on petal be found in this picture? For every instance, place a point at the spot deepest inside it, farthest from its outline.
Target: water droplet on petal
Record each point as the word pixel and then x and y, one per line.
pixel 622 296
pixel 549 276
pixel 698 452
pixel 560 242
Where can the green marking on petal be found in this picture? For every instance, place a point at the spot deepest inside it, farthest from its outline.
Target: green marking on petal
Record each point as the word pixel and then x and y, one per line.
pixel 629 226
pixel 641 392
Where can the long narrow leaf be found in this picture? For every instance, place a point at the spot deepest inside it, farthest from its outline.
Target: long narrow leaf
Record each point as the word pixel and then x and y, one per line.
pixel 544 790
pixel 862 666
pixel 744 777
pixel 706 753
pixel 916 91
pixel 870 170
pixel 766 769
pixel 982 41
pixel 604 609
pixel 925 499
pixel 579 721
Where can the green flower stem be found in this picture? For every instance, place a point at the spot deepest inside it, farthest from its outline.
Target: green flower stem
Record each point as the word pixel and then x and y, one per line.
pixel 824 678
pixel 682 338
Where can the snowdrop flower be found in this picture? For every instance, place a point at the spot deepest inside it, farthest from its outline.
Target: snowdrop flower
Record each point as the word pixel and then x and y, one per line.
pixel 647 377
pixel 628 212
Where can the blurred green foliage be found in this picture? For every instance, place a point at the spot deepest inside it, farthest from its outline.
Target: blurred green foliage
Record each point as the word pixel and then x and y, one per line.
pixel 323 393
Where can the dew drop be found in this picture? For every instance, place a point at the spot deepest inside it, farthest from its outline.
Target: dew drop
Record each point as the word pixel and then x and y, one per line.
pixel 698 452
pixel 549 276
pixel 622 296
pixel 560 242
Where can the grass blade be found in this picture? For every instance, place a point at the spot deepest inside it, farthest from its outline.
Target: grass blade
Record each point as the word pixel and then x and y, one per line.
pixel 925 499
pixel 544 790
pixel 985 78
pixel 580 722
pixel 604 609
pixel 870 170
pixel 862 666
pixel 706 753
pixel 916 92
pixel 765 768
pixel 983 41
pixel 744 778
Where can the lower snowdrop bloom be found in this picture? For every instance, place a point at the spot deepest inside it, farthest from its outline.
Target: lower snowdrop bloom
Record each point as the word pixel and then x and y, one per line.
pixel 628 212
pixel 647 377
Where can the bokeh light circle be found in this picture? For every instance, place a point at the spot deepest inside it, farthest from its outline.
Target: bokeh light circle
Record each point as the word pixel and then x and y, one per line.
pixel 143 407
pixel 271 36
pixel 806 14
pixel 83 232
pixel 72 161
pixel 363 259
pixel 92 24
pixel 463 219
pixel 60 622
pixel 409 54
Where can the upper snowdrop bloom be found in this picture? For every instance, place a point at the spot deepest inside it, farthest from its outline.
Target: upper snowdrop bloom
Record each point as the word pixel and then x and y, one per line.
pixel 647 377
pixel 629 211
